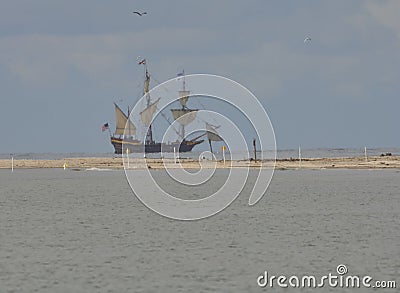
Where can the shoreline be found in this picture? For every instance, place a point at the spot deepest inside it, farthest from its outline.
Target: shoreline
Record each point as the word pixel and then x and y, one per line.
pixel 373 162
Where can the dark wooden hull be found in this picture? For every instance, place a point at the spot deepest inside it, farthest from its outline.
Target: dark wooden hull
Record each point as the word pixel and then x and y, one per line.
pixel 136 146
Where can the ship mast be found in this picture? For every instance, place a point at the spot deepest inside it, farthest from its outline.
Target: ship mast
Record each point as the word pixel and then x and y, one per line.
pixel 190 114
pixel 151 107
pixel 149 135
pixel 129 125
pixel 183 105
pixel 212 134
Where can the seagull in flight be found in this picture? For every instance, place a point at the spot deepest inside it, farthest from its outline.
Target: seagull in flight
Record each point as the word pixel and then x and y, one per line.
pixel 308 39
pixel 140 13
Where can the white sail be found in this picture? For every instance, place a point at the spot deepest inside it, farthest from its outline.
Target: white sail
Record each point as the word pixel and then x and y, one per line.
pixel 212 134
pixel 184 97
pixel 189 117
pixel 147 114
pixel 121 122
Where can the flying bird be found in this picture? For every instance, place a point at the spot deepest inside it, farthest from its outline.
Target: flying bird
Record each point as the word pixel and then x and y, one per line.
pixel 308 39
pixel 140 13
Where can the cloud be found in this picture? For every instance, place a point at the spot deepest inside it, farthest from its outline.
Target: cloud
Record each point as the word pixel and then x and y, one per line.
pixel 269 62
pixel 386 12
pixel 43 59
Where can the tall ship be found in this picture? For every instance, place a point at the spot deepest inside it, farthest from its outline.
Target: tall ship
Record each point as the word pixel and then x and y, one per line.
pixel 124 137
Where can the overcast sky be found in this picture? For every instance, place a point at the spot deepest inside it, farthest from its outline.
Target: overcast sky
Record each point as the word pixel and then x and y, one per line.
pixel 63 63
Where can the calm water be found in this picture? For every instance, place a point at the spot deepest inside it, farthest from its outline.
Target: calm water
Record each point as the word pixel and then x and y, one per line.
pixel 281 154
pixel 70 231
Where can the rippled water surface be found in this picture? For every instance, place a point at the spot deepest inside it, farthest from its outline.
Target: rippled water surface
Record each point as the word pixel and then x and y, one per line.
pixel 281 154
pixel 82 231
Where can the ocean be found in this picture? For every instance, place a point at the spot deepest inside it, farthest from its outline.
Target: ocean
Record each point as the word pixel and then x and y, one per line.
pixel 280 154
pixel 85 231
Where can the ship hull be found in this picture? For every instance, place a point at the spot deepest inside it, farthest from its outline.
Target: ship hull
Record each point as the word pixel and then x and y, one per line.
pixel 135 146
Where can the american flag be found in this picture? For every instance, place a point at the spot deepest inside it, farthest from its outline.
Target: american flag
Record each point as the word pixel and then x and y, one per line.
pixel 104 127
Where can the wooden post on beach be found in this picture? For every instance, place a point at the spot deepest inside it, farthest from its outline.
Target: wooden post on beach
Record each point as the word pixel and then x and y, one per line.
pixel 365 154
pixel 127 156
pixel 299 157
pixel 12 163
pixel 223 153
pixel 255 150
pixel 174 155
pixel 209 142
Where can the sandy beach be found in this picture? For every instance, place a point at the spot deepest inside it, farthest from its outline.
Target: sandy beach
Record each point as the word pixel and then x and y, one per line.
pixel 375 162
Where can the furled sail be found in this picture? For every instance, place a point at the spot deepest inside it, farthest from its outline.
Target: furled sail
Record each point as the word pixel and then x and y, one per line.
pixel 121 122
pixel 189 117
pixel 146 86
pixel 212 134
pixel 184 97
pixel 147 114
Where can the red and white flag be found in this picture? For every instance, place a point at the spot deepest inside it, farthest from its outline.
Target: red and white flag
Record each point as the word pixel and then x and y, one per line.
pixel 104 127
